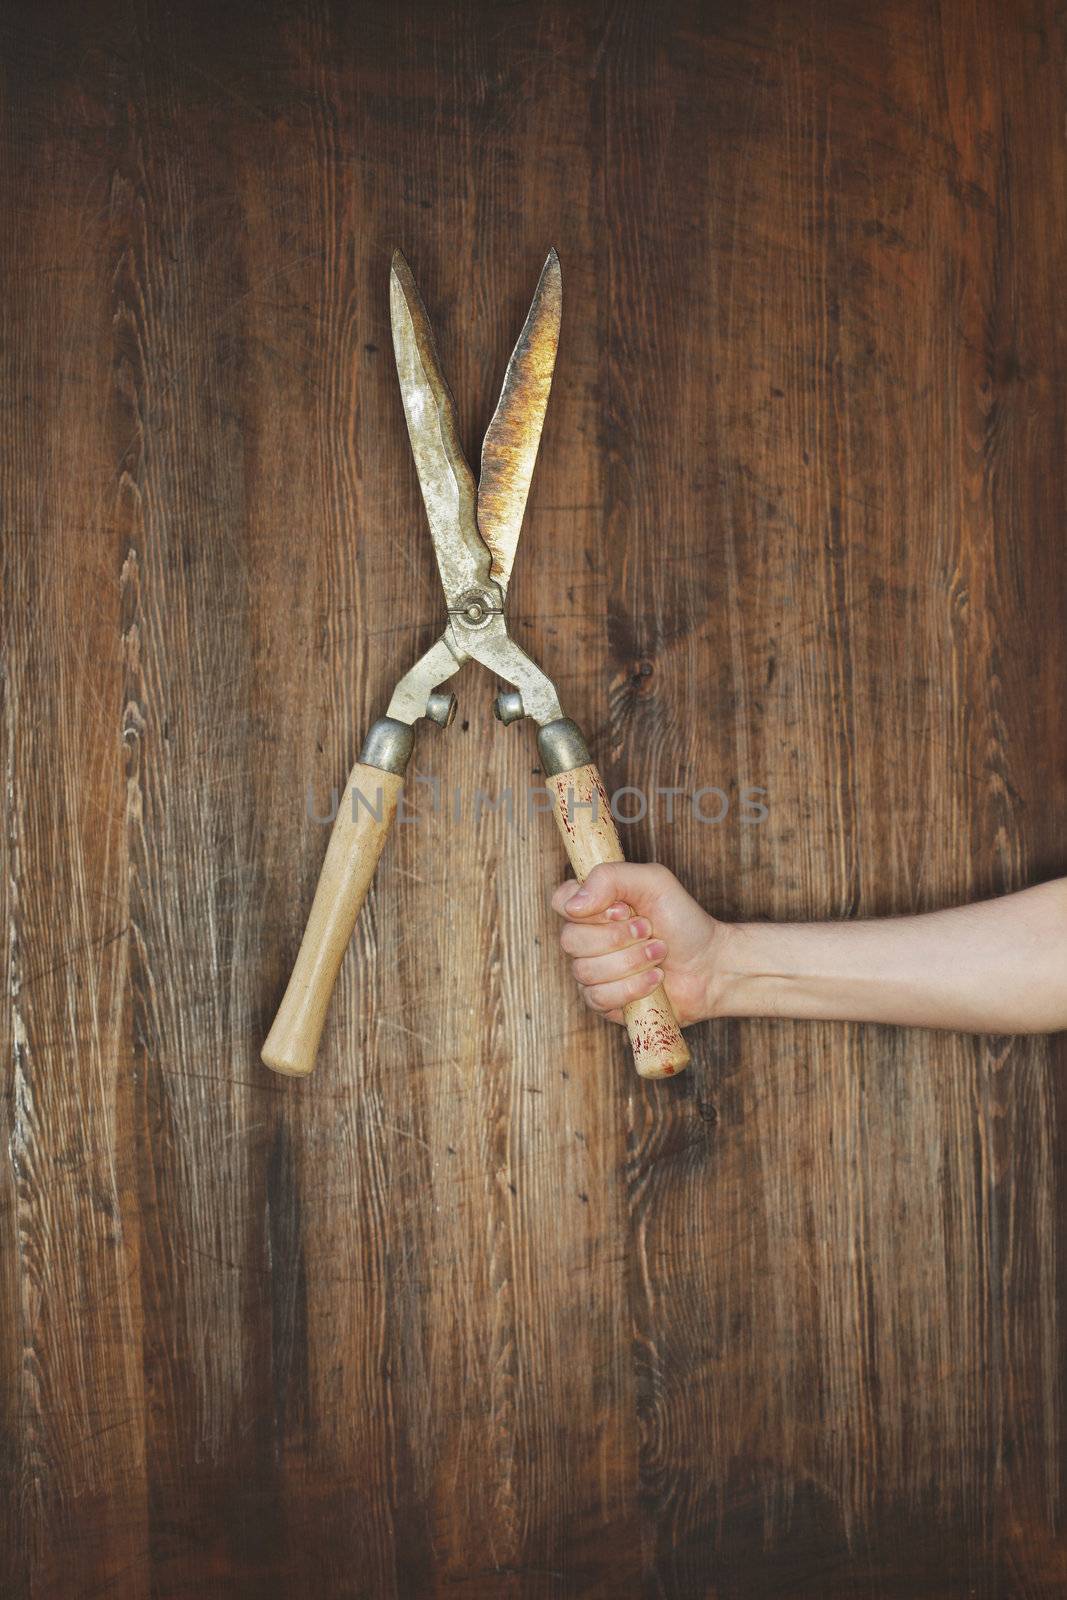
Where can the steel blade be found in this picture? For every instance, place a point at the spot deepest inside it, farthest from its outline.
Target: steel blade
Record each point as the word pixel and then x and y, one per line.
pixel 510 448
pixel 448 488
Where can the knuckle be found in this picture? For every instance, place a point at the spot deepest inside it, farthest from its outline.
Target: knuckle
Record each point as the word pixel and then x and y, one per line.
pixel 568 940
pixel 592 1000
pixel 597 876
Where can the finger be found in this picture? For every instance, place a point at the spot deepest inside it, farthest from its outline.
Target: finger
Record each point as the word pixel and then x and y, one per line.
pixel 610 883
pixel 604 998
pixel 597 938
pixel 592 971
pixel 617 1015
pixel 565 894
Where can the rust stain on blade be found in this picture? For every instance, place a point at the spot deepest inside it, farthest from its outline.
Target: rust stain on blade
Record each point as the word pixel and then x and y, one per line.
pixel 446 480
pixel 513 436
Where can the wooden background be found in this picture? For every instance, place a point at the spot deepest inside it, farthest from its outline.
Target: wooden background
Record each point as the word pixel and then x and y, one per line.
pixel 473 1312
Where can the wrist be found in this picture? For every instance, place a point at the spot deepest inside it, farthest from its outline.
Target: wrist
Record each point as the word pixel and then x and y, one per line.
pixel 722 975
pixel 799 970
pixel 742 975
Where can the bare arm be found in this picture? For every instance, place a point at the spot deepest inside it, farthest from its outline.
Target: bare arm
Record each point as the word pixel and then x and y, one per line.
pixel 999 966
pixel 996 967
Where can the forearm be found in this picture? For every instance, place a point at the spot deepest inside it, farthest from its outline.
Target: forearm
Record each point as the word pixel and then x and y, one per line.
pixel 996 967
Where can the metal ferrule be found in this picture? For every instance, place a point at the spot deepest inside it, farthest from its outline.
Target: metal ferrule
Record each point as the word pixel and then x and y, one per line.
pixel 562 747
pixel 388 745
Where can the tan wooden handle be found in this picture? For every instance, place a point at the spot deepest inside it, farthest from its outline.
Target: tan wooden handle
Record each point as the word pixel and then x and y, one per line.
pixel 363 819
pixel 590 836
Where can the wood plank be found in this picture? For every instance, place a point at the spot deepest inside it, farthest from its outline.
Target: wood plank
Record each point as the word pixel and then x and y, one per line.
pixel 473 1311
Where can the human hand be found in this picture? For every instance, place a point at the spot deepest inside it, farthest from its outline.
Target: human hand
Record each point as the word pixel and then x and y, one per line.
pixel 619 954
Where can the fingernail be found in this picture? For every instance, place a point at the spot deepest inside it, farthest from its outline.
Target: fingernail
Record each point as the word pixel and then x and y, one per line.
pixel 640 928
pixel 579 899
pixel 616 914
pixel 656 950
pixel 655 978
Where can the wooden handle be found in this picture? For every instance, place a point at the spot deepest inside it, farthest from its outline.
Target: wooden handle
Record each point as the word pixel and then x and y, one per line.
pixel 351 856
pixel 589 834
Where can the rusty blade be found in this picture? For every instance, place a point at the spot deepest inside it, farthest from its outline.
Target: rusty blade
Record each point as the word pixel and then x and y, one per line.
pixel 448 488
pixel 510 447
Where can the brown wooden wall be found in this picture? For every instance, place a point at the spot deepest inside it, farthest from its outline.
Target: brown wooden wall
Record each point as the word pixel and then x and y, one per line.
pixel 473 1312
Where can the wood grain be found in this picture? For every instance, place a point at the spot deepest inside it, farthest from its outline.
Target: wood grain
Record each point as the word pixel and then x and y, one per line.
pixel 474 1311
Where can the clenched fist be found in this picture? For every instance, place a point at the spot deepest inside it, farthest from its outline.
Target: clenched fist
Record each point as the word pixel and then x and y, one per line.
pixel 629 928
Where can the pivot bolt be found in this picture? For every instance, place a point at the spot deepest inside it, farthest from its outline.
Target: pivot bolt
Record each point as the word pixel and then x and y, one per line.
pixel 474 608
pixel 441 708
pixel 508 706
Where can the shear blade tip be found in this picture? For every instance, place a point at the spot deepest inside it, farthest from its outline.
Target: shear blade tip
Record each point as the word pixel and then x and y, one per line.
pixel 552 273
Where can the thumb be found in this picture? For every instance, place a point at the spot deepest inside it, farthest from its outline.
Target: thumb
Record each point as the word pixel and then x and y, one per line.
pixel 607 884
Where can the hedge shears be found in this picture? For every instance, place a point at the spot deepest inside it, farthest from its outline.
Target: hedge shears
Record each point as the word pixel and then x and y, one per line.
pixel 475 529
